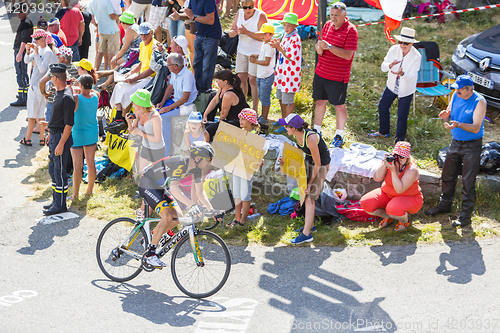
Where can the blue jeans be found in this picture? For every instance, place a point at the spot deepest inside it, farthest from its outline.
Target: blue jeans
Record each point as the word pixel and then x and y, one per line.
pixel 205 57
pixel 175 28
pixel 48 112
pixel 384 109
pixel 167 126
pixel 76 51
pixel 265 86
pixel 21 73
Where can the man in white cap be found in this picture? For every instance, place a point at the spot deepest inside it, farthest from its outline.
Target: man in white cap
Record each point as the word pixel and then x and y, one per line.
pixel 54 27
pixel 137 78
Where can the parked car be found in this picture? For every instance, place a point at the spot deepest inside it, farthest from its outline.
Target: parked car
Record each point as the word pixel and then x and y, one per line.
pixel 479 56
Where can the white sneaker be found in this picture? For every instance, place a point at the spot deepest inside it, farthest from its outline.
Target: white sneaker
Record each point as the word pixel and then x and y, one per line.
pixel 154 261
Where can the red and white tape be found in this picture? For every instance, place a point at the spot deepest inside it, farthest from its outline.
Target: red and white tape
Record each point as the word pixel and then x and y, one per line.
pixel 438 14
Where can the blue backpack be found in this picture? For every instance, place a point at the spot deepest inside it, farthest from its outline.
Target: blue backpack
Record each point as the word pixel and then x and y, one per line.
pixel 306 32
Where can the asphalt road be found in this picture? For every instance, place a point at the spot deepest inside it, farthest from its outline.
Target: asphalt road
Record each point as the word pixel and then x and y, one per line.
pixel 50 281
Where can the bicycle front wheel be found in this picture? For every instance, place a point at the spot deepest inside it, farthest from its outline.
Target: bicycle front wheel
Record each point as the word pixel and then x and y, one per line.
pixel 119 249
pixel 203 279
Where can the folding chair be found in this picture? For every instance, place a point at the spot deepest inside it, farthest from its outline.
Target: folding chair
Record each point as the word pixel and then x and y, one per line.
pixel 430 75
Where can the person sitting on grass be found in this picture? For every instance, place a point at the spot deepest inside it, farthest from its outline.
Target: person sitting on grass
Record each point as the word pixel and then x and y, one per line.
pixel 85 134
pixel 242 188
pixel 317 163
pixel 400 193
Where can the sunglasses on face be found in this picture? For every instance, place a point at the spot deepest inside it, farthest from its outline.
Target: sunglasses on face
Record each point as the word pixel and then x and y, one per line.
pixel 247 7
pixel 37 38
pixel 404 43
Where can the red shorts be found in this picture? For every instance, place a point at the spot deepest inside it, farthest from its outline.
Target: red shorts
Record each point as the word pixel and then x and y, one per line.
pixel 396 206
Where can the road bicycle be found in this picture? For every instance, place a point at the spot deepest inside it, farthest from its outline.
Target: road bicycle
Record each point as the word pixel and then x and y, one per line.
pixel 200 261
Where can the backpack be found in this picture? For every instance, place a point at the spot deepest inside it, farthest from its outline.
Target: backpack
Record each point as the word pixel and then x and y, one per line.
pixel 306 32
pixel 353 211
pixel 111 171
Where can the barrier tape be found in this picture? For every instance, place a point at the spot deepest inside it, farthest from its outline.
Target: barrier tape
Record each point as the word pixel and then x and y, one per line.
pixel 438 14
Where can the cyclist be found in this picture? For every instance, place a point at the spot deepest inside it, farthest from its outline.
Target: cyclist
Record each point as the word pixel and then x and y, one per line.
pixel 159 186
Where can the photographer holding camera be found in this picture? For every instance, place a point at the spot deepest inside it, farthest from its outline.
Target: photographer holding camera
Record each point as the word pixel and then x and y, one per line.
pixel 400 193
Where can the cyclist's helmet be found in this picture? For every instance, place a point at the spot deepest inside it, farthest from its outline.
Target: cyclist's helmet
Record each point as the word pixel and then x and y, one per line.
pixel 202 149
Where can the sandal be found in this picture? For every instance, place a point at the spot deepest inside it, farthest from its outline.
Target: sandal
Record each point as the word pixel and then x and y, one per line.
pixel 26 142
pixel 237 223
pixel 232 223
pixel 401 226
pixel 378 134
pixel 385 222
pixel 42 142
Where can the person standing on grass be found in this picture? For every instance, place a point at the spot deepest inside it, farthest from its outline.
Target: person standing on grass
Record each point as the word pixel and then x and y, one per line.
pixel 246 24
pixel 265 62
pixel 317 163
pixel 400 193
pixel 402 63
pixel 85 134
pixel 464 117
pixel 242 188
pixel 339 41
pixel 41 55
pixel 59 139
pixel 288 69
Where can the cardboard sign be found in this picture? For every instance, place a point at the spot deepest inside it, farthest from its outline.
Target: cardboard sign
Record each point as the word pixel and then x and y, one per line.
pixel 293 166
pixel 237 151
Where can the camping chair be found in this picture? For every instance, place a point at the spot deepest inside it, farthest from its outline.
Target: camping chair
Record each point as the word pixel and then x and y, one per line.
pixel 430 75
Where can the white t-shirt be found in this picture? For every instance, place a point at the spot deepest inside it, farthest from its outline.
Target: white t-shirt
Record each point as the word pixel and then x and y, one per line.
pixel 266 51
pixel 117 6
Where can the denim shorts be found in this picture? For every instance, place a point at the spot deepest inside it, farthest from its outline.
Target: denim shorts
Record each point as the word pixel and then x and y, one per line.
pixel 265 87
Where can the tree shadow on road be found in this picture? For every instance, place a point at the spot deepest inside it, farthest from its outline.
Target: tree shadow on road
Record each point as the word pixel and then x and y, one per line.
pixel 158 307
pixel 466 258
pixel 319 299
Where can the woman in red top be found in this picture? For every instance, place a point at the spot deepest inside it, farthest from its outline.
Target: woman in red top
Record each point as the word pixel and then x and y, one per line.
pixel 399 194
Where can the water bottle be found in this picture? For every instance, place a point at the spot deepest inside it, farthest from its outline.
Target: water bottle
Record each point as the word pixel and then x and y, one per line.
pixel 165 238
pixel 254 216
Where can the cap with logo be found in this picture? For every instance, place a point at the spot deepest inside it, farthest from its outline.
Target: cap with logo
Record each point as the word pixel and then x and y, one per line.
pixel 293 120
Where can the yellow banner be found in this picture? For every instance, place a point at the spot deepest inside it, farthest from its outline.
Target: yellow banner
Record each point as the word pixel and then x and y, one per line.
pixel 120 152
pixel 237 151
pixel 293 166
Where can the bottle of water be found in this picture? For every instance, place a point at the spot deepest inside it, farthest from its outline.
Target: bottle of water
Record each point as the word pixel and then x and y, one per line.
pixel 165 238
pixel 254 216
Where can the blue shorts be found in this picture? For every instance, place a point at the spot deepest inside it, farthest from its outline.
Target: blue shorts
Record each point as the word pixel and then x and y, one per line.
pixel 265 86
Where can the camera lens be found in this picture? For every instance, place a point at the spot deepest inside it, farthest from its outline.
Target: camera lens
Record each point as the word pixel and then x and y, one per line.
pixel 390 158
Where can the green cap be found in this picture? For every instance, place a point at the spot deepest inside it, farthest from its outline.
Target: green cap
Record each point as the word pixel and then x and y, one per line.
pixel 127 17
pixel 142 97
pixel 290 18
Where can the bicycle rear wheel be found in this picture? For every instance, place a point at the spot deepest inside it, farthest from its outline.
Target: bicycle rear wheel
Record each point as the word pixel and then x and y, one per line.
pixel 205 279
pixel 119 249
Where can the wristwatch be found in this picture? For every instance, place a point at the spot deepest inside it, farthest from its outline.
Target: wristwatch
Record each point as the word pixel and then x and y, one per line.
pixel 195 16
pixel 329 46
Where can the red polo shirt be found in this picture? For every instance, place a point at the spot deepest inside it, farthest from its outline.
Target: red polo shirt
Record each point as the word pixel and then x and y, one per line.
pixel 330 66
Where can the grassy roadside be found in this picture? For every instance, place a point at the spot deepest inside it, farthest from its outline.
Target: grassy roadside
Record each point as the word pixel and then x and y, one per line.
pixel 427 135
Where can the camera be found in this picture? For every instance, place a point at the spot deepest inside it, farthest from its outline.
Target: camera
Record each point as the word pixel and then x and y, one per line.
pixel 132 115
pixel 390 158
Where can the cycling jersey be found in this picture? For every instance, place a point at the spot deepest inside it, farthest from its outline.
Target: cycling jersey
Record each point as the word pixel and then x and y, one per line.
pixel 168 169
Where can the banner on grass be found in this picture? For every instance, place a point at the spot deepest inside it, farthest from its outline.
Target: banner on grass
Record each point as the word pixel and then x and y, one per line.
pixel 293 166
pixel 237 151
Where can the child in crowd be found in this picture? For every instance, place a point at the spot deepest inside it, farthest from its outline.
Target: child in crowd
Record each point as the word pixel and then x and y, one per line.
pixel 195 130
pixel 85 134
pixel 287 74
pixel 265 61
pixel 242 188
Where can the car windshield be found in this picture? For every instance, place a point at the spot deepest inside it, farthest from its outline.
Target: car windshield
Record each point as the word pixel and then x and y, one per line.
pixel 489 40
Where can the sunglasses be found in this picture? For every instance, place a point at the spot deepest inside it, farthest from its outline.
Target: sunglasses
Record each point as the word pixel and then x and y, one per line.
pixel 247 7
pixel 338 6
pixel 404 43
pixel 37 38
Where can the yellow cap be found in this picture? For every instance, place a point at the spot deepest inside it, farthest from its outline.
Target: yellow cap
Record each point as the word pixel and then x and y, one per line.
pixel 85 64
pixel 266 27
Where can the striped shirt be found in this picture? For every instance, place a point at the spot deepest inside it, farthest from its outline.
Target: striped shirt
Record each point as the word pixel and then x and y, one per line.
pixel 330 66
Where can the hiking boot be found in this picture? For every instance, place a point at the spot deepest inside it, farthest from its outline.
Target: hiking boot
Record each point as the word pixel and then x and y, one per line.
pixel 461 222
pixel 438 210
pixel 116 126
pixel 20 102
pixel 154 261
pixel 301 239
pixel 337 142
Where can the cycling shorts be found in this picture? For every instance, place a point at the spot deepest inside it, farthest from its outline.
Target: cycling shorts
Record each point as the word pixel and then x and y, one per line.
pixel 159 199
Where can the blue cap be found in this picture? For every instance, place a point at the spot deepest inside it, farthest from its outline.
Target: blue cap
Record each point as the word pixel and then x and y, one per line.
pixel 462 81
pixel 195 117
pixel 145 28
